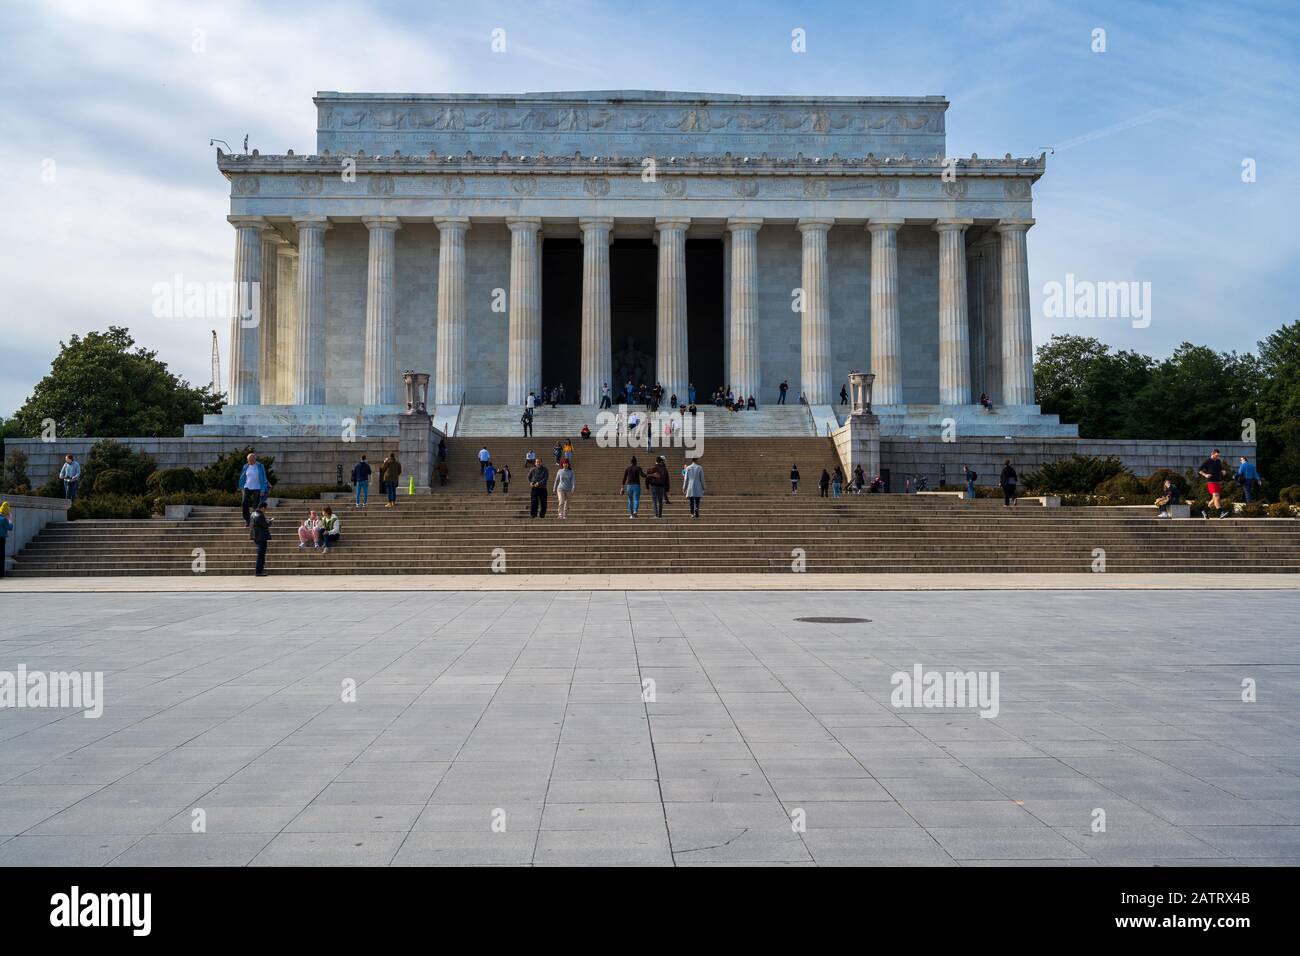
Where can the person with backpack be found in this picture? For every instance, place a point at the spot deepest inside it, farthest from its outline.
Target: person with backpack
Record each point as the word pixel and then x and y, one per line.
pixel 794 479
pixel 389 472
pixel 969 474
pixel 361 482
pixel 657 481
pixel 490 477
pixel 1008 481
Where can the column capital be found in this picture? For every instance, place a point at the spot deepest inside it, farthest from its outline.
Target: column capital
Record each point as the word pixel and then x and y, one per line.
pixel 287 249
pixel 310 222
pixel 884 225
pixel 663 223
pixel 525 223
pixel 952 225
pixel 739 223
pixel 248 222
pixel 274 238
pixel 1014 225
pixel 814 224
pixel 382 222
pixel 452 223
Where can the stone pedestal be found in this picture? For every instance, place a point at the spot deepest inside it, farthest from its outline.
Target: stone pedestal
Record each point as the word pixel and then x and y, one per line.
pixel 857 441
pixel 416 446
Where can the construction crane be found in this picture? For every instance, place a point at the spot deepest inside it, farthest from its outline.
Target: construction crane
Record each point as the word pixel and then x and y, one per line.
pixel 215 385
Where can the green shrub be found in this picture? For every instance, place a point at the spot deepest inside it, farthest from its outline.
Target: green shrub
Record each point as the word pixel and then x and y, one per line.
pixel 112 481
pixel 223 474
pixel 109 455
pixel 1281 510
pixel 1123 485
pixel 53 488
pixel 1078 474
pixel 1252 510
pixel 310 491
pixel 15 472
pixel 109 506
pixel 209 499
pixel 1290 494
pixel 169 480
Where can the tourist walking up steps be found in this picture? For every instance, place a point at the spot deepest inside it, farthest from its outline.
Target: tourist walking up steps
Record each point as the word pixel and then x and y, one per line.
pixel 71 475
pixel 503 476
pixel 526 419
pixel 252 482
pixel 564 484
pixel 824 483
pixel 970 477
pixel 6 525
pixel 632 476
pixel 794 479
pixel 361 482
pixel 538 477
pixel 259 531
pixel 483 458
pixel 1008 480
pixel 490 477
pixel 693 486
pixel 657 481
pixel 1212 471
pixel 389 472
pixel 837 482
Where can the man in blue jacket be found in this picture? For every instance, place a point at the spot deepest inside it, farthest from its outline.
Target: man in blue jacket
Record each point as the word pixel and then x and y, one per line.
pixel 253 483
pixel 361 482
pixel 1248 478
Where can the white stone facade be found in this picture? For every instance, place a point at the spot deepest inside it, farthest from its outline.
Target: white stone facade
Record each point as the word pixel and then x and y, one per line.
pixel 414 239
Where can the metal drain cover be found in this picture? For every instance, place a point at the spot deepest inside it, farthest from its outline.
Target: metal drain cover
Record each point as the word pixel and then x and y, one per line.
pixel 834 620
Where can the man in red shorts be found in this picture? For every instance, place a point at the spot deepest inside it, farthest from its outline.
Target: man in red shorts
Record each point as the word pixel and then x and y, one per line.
pixel 1212 471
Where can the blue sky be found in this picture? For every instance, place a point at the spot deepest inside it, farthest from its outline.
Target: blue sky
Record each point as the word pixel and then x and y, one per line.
pixel 1145 184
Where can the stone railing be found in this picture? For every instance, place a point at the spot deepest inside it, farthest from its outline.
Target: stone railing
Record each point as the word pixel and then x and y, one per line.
pixel 30 515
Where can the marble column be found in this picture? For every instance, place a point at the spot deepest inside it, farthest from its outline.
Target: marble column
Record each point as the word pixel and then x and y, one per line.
pixel 1017 336
pixel 597 347
pixel 286 306
pixel 886 326
pixel 672 363
pixel 449 379
pixel 954 331
pixel 245 322
pixel 726 308
pixel 309 337
pixel 744 372
pixel 815 333
pixel 524 369
pixel 379 383
pixel 269 361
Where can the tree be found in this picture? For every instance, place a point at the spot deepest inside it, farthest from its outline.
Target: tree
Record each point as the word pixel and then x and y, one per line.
pixel 1082 381
pixel 100 385
pixel 1196 393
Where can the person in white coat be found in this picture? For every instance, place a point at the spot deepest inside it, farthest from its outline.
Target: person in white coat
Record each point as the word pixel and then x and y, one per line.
pixel 693 486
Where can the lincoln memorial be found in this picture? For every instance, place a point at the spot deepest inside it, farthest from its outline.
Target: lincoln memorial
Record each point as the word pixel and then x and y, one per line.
pixel 503 243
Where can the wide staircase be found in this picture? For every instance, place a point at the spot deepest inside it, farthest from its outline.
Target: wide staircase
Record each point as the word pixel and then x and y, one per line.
pixel 750 522
pixel 481 421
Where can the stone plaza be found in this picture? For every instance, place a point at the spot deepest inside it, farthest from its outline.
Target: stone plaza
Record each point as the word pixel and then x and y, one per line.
pixel 654 727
